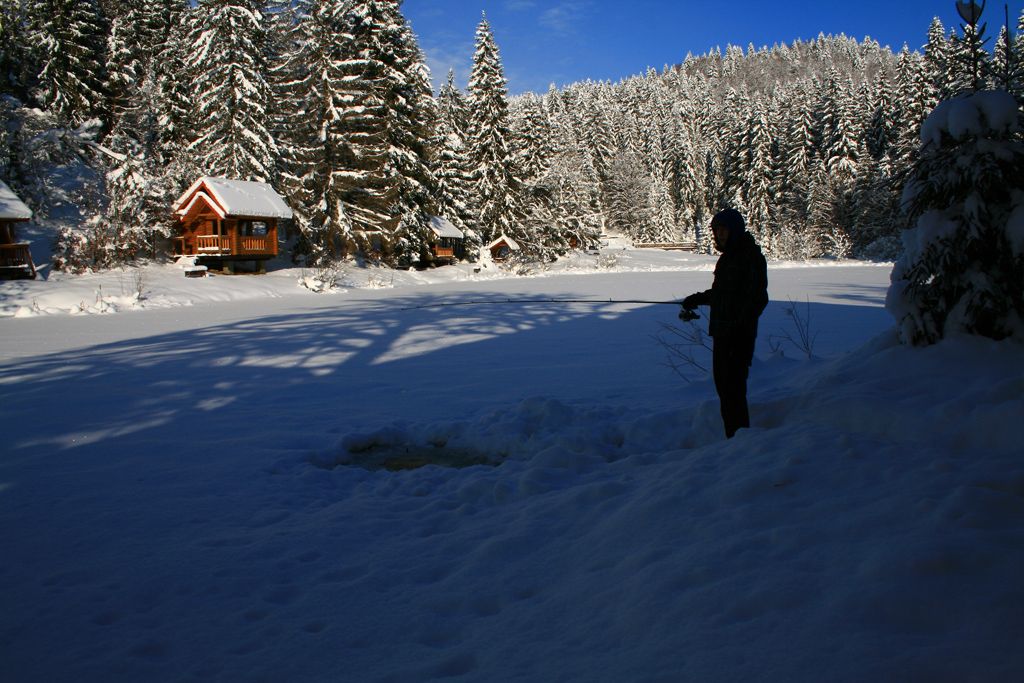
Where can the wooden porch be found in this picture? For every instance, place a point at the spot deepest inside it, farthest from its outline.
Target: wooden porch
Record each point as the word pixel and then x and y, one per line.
pixel 231 244
pixel 15 255
pixel 16 259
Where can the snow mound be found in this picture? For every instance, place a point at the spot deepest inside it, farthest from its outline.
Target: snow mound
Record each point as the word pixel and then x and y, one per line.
pixel 977 115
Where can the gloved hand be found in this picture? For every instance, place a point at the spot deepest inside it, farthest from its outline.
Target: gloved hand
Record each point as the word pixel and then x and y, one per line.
pixel 690 302
pixel 688 315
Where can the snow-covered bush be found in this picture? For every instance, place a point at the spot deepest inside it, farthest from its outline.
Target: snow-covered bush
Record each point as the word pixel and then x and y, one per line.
pixel 98 245
pixel 963 264
pixel 324 277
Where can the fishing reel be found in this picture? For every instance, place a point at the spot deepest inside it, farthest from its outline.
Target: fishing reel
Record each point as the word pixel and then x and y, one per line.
pixel 688 315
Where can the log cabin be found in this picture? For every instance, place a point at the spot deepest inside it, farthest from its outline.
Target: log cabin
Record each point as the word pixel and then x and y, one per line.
pixel 448 241
pixel 15 256
pixel 223 222
pixel 502 248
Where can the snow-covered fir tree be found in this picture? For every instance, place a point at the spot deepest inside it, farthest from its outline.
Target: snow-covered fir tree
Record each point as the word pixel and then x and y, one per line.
pixel 571 180
pixel 386 114
pixel 454 194
pixel 15 56
pixel 143 176
pixel 311 89
pixel 497 182
pixel 1007 72
pixel 1017 84
pixel 410 101
pixel 756 154
pixel 937 54
pixel 127 55
pixel 627 197
pixel 963 263
pixel 969 63
pixel 168 50
pixel 69 37
pixel 227 55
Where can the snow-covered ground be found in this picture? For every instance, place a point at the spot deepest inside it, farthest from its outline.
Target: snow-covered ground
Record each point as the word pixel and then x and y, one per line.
pixel 180 495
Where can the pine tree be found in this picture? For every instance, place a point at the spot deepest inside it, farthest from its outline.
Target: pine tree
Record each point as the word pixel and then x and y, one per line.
pixel 598 134
pixel 836 134
pixel 1008 64
pixel 571 178
pixel 168 47
pixel 385 114
pixel 663 224
pixel 628 200
pixel 497 181
pixel 880 134
pixel 757 172
pixel 126 66
pixel 793 176
pixel 14 52
pixel 911 95
pixel 964 256
pixel 969 61
pixel 687 178
pixel 69 36
pixel 228 51
pixel 356 133
pixel 454 192
pixel 532 134
pixel 937 52
pixel 310 86
pixel 733 161
pixel 1018 51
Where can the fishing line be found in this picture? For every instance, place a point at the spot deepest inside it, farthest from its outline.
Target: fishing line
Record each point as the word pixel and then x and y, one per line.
pixel 487 302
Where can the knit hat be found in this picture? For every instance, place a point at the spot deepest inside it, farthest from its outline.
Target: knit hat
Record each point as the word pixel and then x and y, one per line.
pixel 731 220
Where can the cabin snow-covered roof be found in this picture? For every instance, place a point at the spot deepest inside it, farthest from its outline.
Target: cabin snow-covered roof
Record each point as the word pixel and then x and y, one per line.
pixel 511 243
pixel 236 198
pixel 442 227
pixel 11 207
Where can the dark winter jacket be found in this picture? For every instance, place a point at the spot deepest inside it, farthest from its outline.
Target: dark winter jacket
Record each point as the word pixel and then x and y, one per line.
pixel 739 292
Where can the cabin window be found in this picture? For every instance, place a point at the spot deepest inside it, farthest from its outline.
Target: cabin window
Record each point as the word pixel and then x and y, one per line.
pixel 253 228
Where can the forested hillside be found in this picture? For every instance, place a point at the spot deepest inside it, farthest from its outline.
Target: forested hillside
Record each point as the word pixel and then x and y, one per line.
pixel 331 102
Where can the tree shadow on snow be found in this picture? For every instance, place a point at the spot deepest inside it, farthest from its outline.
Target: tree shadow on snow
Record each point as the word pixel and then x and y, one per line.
pixel 359 365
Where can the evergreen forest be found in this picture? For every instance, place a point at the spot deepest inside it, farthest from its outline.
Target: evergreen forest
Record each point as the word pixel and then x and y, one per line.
pixel 124 103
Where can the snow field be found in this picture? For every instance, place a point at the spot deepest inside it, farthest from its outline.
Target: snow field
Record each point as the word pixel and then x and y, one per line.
pixel 176 503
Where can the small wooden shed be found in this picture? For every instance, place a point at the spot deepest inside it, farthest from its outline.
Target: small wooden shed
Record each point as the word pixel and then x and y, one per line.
pixel 448 240
pixel 503 247
pixel 15 256
pixel 223 221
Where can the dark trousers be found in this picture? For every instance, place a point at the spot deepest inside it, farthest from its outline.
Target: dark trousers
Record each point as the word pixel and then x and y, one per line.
pixel 731 360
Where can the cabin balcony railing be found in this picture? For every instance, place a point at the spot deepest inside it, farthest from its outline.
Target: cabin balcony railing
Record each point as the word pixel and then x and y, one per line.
pixel 17 256
pixel 254 245
pixel 213 244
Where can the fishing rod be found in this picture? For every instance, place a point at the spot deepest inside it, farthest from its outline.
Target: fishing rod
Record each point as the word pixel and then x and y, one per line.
pixel 486 302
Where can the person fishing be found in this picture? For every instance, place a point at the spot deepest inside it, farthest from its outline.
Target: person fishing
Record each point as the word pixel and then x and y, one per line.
pixel 738 296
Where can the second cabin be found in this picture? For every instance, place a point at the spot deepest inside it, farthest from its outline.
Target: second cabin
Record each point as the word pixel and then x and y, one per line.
pixel 15 256
pixel 503 248
pixel 223 222
pixel 448 241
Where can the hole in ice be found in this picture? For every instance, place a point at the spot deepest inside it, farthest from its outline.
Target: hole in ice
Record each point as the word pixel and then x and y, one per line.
pixel 396 457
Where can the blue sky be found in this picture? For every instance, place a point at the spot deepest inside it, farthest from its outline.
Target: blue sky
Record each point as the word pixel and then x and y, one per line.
pixel 564 41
